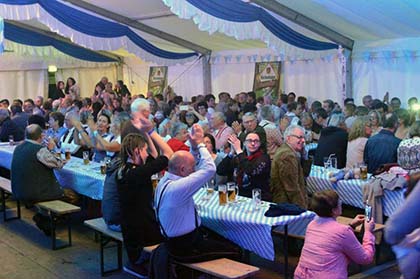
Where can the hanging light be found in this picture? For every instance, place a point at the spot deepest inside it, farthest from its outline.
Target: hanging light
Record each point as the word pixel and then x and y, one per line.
pixel 52 68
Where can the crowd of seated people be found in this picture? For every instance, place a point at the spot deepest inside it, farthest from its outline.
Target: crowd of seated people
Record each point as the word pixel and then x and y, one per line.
pixel 257 145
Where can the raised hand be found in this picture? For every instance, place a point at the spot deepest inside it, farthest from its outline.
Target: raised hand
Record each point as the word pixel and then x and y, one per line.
pixel 358 220
pixel 237 127
pixel 141 122
pixel 196 136
pixel 236 143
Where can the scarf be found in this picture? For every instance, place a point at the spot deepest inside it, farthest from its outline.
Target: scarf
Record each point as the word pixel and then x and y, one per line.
pixel 241 173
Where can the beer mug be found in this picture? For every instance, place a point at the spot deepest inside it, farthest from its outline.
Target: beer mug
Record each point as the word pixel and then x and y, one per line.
pixel 68 154
pixel 232 190
pixel 363 171
pixel 86 157
pixel 222 194
pixel 103 167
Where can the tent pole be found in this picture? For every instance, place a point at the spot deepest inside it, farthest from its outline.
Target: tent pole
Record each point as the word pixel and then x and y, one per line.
pixel 206 74
pixel 349 77
pixel 306 22
pixel 140 26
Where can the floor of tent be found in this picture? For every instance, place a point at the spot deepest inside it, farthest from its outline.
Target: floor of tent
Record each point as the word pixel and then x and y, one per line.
pixel 25 253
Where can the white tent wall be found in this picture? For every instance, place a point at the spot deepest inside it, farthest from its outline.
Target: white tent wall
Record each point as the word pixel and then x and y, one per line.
pixel 23 84
pixel 399 76
pixel 87 78
pixel 186 80
pixel 318 79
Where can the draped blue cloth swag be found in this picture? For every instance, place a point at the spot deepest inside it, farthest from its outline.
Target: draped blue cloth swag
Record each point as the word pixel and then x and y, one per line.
pixel 95 26
pixel 238 11
pixel 27 37
pixel 1 35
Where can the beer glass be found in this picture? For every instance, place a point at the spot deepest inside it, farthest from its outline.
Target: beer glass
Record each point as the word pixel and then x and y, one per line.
pixel 363 171
pixel 222 194
pixel 68 154
pixel 86 157
pixel 103 167
pixel 232 190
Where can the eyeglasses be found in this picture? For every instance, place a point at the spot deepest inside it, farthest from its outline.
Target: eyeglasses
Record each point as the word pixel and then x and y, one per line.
pixel 255 141
pixel 189 115
pixel 298 137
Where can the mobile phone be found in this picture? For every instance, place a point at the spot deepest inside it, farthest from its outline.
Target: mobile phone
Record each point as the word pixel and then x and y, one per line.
pixel 368 212
pixel 183 108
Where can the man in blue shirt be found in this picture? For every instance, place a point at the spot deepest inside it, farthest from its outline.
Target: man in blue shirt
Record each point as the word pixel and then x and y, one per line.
pixel 382 147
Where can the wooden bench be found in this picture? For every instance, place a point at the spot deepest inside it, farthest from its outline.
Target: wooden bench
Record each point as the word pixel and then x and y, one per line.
pixel 221 268
pixel 6 187
pixel 55 210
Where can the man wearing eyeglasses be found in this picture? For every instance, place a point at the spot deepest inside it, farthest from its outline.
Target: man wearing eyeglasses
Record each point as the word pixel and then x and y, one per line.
pixel 287 182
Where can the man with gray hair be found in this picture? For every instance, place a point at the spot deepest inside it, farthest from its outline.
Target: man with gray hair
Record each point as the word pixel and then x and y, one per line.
pixel 139 106
pixel 333 140
pixel 179 134
pixel 221 131
pixel 8 127
pixel 274 137
pixel 287 182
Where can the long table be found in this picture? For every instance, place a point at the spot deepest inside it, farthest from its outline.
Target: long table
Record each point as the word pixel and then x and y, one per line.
pixel 350 191
pixel 84 179
pixel 245 226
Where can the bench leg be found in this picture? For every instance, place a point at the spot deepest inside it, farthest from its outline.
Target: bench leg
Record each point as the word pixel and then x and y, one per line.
pixel 53 224
pixel 4 208
pixel 286 252
pixel 103 242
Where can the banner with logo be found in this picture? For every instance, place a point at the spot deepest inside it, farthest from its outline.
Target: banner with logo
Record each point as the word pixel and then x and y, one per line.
pixel 267 79
pixel 157 79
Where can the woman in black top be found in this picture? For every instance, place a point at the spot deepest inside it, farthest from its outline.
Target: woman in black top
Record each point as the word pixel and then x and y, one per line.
pixel 140 161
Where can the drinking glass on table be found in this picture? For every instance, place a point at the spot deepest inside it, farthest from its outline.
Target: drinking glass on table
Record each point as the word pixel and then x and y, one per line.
pixel 363 171
pixel 327 163
pixel 222 194
pixel 86 157
pixel 103 167
pixel 256 198
pixel 233 192
pixel 11 140
pixel 333 162
pixel 68 154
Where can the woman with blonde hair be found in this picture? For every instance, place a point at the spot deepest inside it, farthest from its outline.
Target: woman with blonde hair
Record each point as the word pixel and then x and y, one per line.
pixel 358 135
pixel 376 121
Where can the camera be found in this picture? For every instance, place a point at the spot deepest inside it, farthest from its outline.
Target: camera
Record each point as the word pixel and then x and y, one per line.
pixel 368 212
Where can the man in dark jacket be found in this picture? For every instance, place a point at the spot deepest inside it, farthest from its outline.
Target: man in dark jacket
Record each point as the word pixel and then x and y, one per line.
pixel 382 147
pixel 333 140
pixel 8 127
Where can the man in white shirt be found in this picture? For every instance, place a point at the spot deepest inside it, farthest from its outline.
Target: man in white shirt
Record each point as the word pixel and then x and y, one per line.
pixel 221 131
pixel 175 208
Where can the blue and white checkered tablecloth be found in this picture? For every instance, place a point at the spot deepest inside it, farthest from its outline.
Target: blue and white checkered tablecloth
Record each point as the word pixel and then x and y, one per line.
pixel 246 227
pixel 6 154
pixel 84 179
pixel 350 191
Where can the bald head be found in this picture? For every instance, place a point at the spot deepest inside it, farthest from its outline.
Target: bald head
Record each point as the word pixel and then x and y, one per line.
pixel 33 132
pixel 182 163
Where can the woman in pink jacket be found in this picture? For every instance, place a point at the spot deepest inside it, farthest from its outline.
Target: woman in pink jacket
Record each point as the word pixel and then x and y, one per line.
pixel 330 246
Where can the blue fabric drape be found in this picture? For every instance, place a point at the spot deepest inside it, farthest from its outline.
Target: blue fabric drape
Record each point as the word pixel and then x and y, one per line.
pixel 238 11
pixel 98 27
pixel 23 36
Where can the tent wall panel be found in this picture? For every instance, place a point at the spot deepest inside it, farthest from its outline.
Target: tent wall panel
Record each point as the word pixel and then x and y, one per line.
pixel 23 84
pixel 398 76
